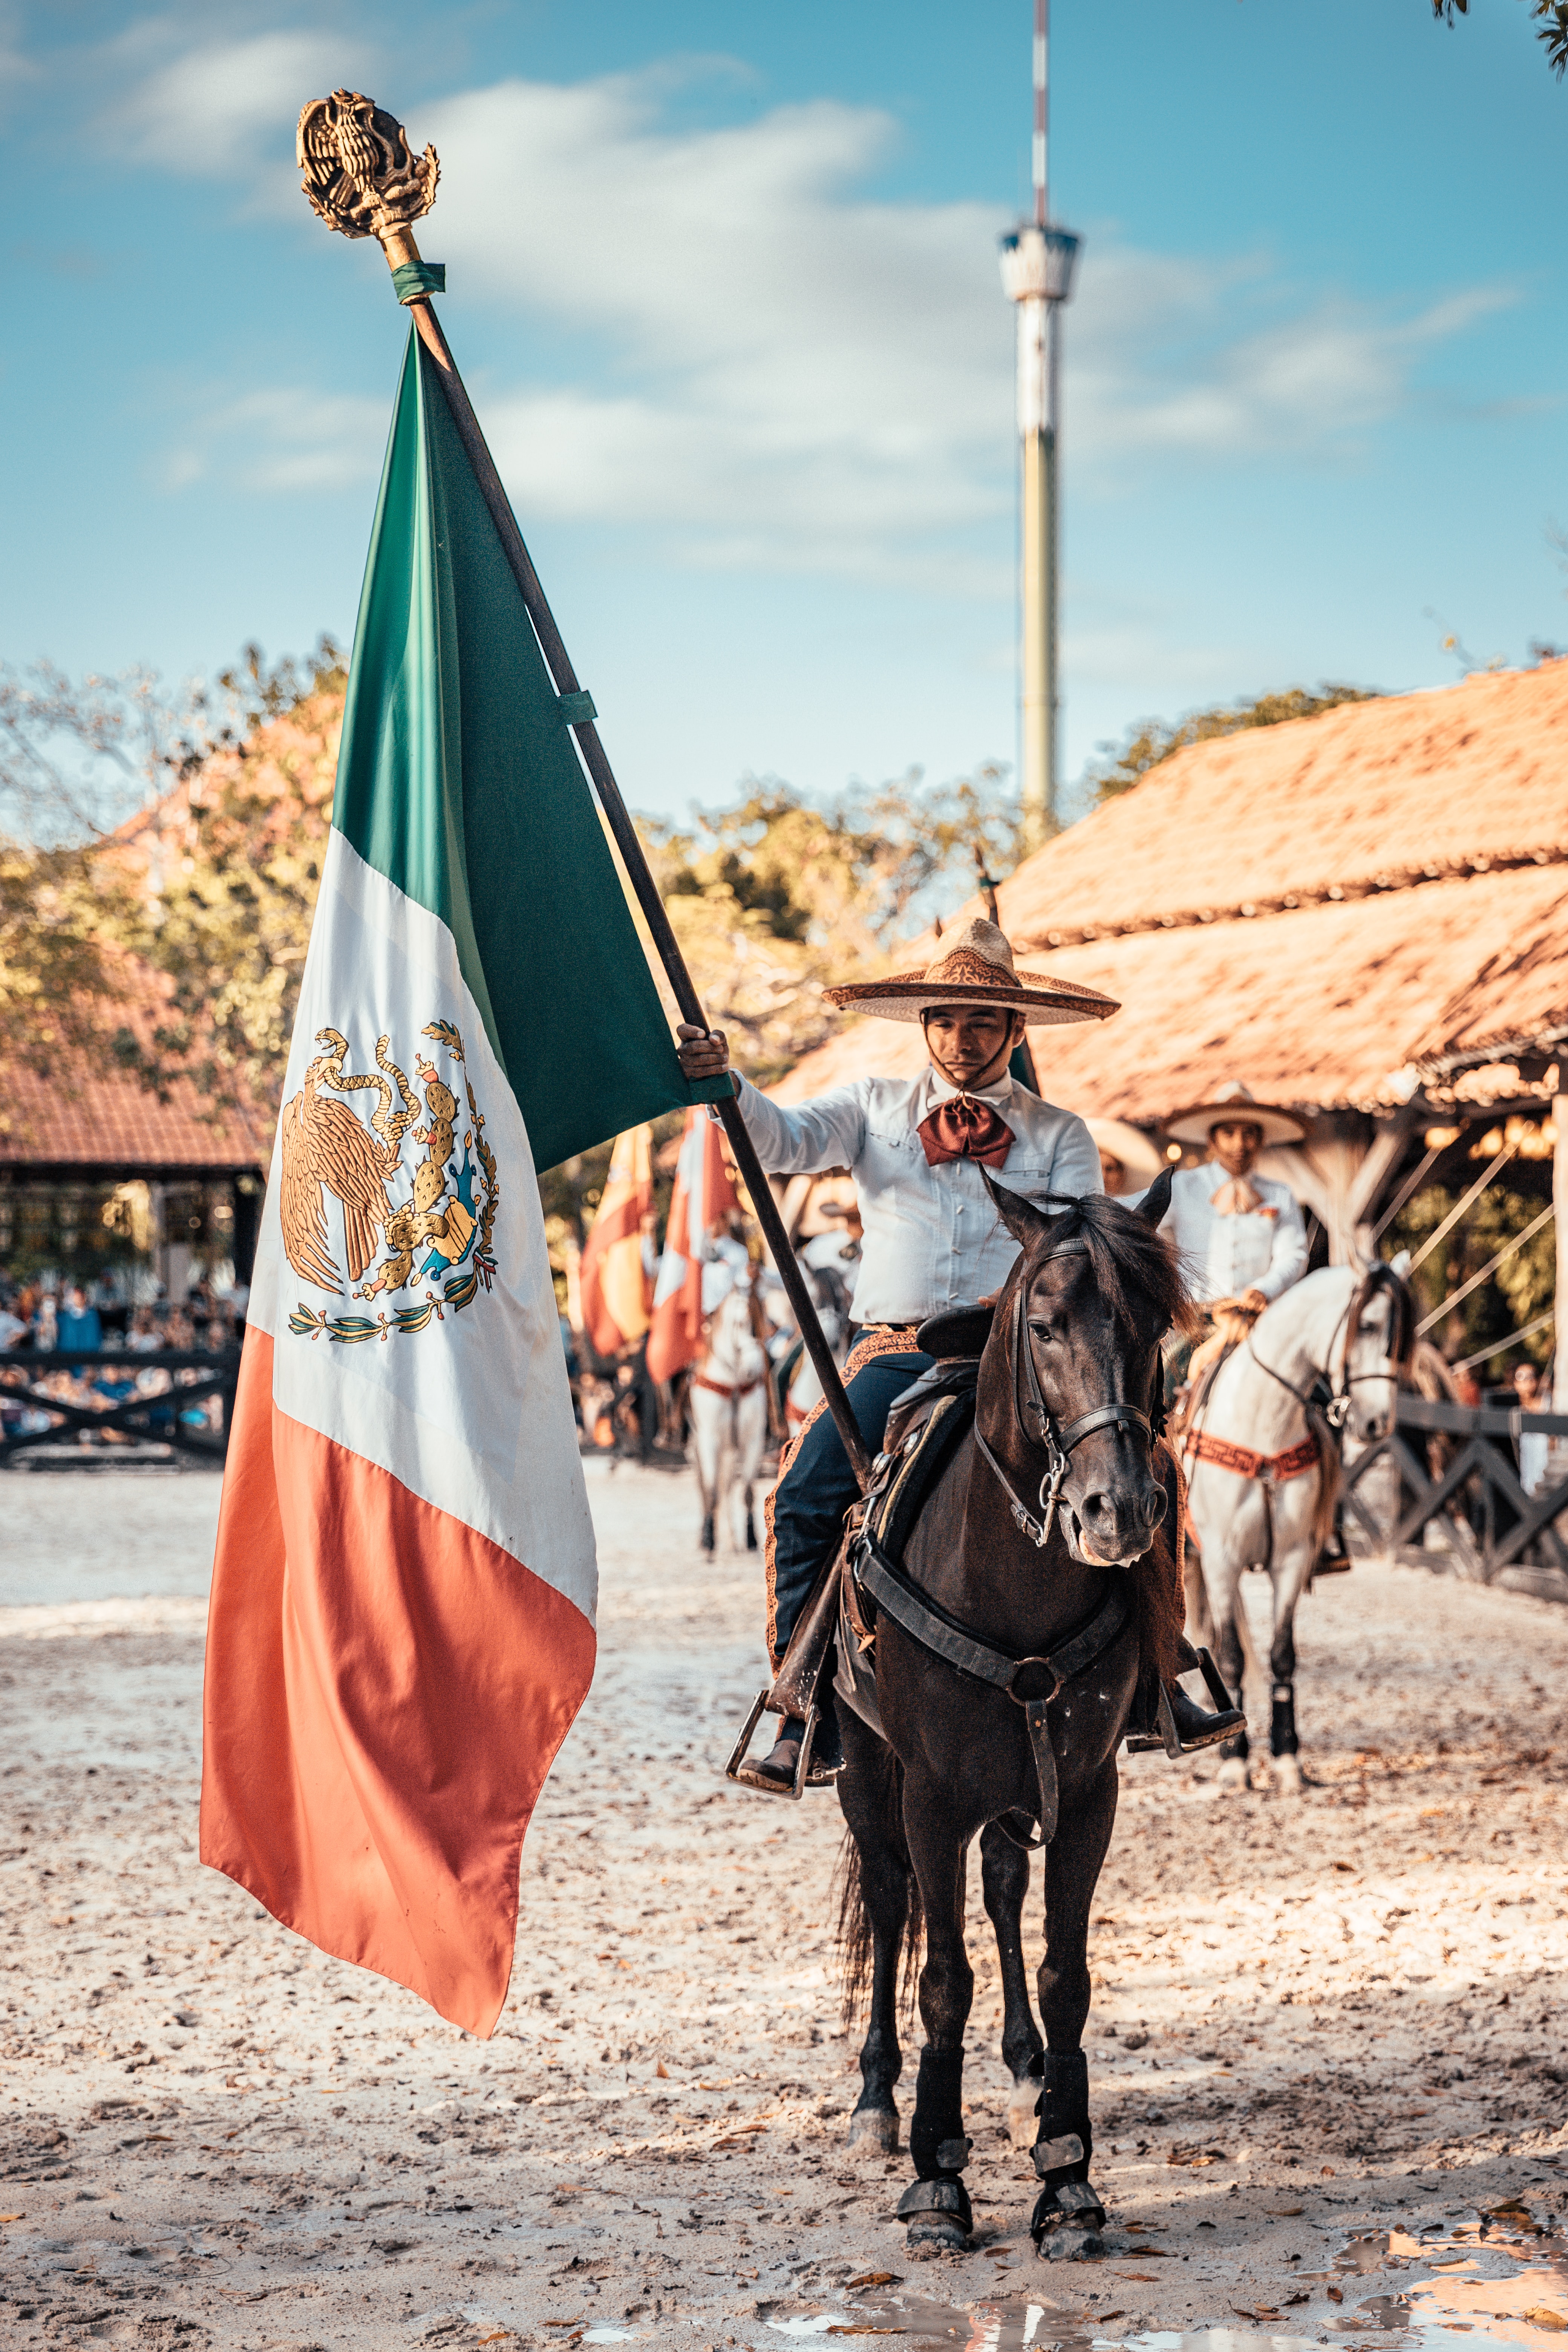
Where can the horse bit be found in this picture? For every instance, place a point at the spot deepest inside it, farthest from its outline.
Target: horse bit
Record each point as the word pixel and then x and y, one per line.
pixel 1060 1442
pixel 1335 1405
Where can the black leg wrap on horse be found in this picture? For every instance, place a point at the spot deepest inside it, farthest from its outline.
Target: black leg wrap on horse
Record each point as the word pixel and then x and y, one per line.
pixel 1063 2149
pixel 936 2135
pixel 943 2196
pixel 1282 1739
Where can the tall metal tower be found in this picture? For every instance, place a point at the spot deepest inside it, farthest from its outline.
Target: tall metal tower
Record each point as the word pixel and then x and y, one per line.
pixel 1038 262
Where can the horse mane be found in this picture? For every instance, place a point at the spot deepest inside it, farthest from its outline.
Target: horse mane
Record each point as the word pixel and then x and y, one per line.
pixel 1380 1280
pixel 1127 1254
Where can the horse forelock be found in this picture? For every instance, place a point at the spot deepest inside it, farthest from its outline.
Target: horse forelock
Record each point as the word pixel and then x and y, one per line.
pixel 1129 1257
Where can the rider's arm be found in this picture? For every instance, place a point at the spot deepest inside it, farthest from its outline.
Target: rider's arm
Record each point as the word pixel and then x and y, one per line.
pixel 800 1140
pixel 1288 1259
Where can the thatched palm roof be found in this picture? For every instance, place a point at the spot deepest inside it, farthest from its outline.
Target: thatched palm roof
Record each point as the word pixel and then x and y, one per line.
pixel 1336 910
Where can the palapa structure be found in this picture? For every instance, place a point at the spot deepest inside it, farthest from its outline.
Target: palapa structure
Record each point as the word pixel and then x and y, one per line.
pixel 1363 915
pixel 84 1146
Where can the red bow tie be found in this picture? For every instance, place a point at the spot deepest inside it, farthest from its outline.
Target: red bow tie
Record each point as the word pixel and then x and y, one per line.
pixel 961 1128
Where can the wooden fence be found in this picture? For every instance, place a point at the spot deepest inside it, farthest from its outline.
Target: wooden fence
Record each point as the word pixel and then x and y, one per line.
pixel 1455 1470
pixel 175 1421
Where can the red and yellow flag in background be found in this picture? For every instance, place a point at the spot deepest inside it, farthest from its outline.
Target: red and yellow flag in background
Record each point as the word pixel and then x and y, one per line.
pixel 617 1290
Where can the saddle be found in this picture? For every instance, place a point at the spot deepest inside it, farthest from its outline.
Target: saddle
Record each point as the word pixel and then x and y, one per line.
pixel 867 1576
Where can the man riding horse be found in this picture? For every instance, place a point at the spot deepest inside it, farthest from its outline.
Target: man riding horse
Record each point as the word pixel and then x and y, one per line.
pixel 1240 1235
pixel 933 1241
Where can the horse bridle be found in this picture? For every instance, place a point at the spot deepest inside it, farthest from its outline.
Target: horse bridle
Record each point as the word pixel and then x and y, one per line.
pixel 1337 1405
pixel 1059 1441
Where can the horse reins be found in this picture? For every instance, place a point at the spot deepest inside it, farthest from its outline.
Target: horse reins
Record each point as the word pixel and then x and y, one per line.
pixel 1059 1441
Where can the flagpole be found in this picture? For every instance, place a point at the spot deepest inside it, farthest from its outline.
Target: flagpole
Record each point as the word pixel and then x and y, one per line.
pixel 363 204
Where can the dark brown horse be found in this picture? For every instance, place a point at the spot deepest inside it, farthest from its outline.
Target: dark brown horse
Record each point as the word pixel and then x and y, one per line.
pixel 1024 1545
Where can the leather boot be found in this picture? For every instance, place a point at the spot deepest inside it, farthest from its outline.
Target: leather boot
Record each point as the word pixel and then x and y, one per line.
pixel 777 1768
pixel 1178 1724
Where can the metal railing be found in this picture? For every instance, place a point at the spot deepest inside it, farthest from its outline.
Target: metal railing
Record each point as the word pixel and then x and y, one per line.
pixel 142 1421
pixel 1458 1473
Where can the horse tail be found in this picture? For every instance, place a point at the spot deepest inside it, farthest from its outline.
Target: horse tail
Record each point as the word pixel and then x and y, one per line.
pixel 857 1935
pixel 1331 1475
pixel 1158 1580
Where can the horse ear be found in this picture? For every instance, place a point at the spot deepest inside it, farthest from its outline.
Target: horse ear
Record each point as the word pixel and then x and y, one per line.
pixel 1156 1200
pixel 1021 1217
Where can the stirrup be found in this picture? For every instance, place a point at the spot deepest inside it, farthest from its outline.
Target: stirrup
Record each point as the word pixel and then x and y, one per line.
pixel 1206 1731
pixel 745 1774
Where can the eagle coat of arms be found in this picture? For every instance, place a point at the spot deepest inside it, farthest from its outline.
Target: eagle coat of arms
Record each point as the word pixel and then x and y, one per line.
pixel 415 1184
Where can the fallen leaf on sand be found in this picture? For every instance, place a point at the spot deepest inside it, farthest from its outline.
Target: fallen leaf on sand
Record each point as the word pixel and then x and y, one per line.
pixel 1540 2315
pixel 1108 2315
pixel 1286 2212
pixel 1138 2278
pixel 867 2331
pixel 866 2278
pixel 662 2071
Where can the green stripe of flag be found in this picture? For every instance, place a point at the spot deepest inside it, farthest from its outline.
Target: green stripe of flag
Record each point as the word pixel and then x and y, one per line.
pixel 459 781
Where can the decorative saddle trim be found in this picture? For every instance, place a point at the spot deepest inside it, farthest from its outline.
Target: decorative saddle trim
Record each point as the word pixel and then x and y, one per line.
pixel 1202 1445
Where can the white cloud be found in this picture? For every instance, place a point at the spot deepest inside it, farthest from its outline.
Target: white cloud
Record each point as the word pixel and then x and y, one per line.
pixel 280 439
pixel 1169 357
pixel 212 110
pixel 770 367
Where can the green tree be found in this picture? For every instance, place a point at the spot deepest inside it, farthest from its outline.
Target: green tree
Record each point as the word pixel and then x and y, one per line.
pixel 1119 766
pixel 772 900
pixel 1550 17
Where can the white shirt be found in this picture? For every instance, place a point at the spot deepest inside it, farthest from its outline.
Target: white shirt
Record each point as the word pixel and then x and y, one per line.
pixel 932 1238
pixel 1263 1249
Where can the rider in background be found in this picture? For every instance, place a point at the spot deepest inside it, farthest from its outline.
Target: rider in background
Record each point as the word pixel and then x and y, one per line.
pixel 1241 1236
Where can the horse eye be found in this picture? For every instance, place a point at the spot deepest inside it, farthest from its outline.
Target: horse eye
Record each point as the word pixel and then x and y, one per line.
pixel 1042 1330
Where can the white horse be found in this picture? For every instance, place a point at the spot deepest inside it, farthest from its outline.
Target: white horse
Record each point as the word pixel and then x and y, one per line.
pixel 1262 1492
pixel 727 1400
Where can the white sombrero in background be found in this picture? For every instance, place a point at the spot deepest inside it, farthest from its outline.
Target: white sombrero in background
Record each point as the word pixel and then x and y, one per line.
pixel 1139 1155
pixel 1236 1102
pixel 977 968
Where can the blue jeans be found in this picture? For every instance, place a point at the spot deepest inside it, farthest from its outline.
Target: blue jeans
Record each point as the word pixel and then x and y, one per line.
pixel 811 1498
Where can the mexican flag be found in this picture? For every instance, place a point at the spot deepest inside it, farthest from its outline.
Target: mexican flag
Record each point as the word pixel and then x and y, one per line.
pixel 402 1619
pixel 703 1196
pixel 615 1288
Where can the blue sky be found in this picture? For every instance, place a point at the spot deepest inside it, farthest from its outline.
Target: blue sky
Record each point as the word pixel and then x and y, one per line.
pixel 724 284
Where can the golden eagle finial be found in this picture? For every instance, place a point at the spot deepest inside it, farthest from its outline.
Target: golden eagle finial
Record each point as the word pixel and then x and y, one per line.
pixel 361 175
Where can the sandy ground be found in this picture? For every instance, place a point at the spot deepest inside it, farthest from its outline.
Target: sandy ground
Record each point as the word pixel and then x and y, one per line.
pixel 1317 2020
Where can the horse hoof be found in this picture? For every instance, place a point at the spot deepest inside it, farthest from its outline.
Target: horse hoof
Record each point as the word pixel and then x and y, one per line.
pixel 937 2233
pixel 1232 1774
pixel 1023 2116
pixel 708 1534
pixel 1072 2245
pixel 875 2127
pixel 1286 1775
pixel 750 1533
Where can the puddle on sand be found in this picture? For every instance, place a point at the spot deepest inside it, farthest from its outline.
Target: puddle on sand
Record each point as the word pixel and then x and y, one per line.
pixel 1500 2282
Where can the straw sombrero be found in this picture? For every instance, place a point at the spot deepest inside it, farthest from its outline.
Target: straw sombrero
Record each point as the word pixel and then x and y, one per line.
pixel 977 969
pixel 1234 1102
